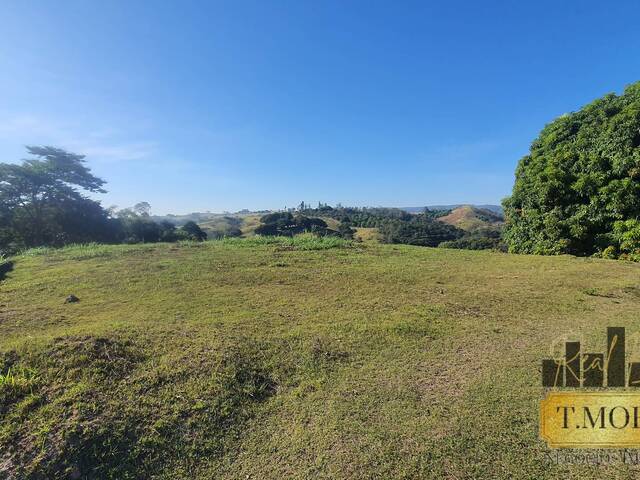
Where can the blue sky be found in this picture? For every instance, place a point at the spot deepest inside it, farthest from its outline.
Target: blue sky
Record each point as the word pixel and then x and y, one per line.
pixel 196 106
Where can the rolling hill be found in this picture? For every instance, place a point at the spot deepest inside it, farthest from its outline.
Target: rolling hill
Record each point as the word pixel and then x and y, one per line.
pixel 494 208
pixel 471 218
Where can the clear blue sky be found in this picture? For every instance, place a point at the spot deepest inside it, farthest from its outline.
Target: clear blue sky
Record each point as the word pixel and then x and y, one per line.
pixel 196 106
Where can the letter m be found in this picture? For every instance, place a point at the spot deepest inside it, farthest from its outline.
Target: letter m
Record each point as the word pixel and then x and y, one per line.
pixel 588 417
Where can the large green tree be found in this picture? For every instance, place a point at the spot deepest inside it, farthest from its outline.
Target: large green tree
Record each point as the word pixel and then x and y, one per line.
pixel 42 200
pixel 579 186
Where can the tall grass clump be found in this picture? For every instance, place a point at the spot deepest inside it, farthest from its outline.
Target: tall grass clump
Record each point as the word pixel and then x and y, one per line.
pixel 86 251
pixel 17 379
pixel 303 241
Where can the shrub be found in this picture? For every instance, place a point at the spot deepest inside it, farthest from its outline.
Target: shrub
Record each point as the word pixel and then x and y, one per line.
pixel 285 224
pixel 193 231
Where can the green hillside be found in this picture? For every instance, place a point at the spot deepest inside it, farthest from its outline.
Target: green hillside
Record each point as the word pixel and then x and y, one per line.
pixel 273 358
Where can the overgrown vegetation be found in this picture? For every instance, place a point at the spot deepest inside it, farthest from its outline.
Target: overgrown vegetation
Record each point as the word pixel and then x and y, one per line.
pixel 368 217
pixel 419 231
pixel 578 190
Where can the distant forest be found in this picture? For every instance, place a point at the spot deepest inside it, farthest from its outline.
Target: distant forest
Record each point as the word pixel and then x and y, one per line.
pixel 394 226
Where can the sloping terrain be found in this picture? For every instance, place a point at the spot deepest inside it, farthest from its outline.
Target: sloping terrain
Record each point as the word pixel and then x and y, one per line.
pixel 231 225
pixel 470 218
pixel 221 226
pixel 249 224
pixel 497 209
pixel 367 234
pixel 286 358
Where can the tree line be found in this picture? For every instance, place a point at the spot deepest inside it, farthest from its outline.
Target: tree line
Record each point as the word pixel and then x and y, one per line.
pixel 398 226
pixel 44 202
pixel 288 224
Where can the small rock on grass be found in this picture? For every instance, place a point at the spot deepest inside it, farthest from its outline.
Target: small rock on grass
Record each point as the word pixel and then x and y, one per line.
pixel 71 299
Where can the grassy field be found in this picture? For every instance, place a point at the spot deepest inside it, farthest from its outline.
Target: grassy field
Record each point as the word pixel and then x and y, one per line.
pixel 291 358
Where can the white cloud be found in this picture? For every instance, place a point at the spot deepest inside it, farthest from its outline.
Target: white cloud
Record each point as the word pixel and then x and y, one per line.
pixel 113 153
pixel 101 144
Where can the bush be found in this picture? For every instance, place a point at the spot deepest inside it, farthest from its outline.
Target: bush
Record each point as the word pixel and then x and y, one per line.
pixel 285 224
pixel 624 240
pixel 345 231
pixel 193 231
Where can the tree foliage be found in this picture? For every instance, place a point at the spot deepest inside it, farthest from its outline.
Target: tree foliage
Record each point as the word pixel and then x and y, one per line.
pixel 425 232
pixel 579 186
pixel 287 224
pixel 42 201
pixel 478 239
pixel 193 231
pixel 395 225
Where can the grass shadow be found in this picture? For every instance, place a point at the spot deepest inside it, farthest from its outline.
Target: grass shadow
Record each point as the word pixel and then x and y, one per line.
pixel 5 268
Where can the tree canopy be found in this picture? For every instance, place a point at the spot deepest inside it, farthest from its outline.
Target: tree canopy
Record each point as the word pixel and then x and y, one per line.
pixel 42 200
pixel 286 224
pixel 193 231
pixel 578 189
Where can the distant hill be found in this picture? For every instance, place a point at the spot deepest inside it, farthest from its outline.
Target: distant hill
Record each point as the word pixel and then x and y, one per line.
pixel 221 226
pixel 205 217
pixel 469 217
pixel 493 208
pixel 178 220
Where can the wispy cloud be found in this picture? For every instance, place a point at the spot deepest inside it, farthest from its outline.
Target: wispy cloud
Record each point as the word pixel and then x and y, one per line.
pixel 114 153
pixel 102 144
pixel 12 126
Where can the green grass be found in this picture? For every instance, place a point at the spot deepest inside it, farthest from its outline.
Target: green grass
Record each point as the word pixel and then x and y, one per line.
pixel 305 241
pixel 291 358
